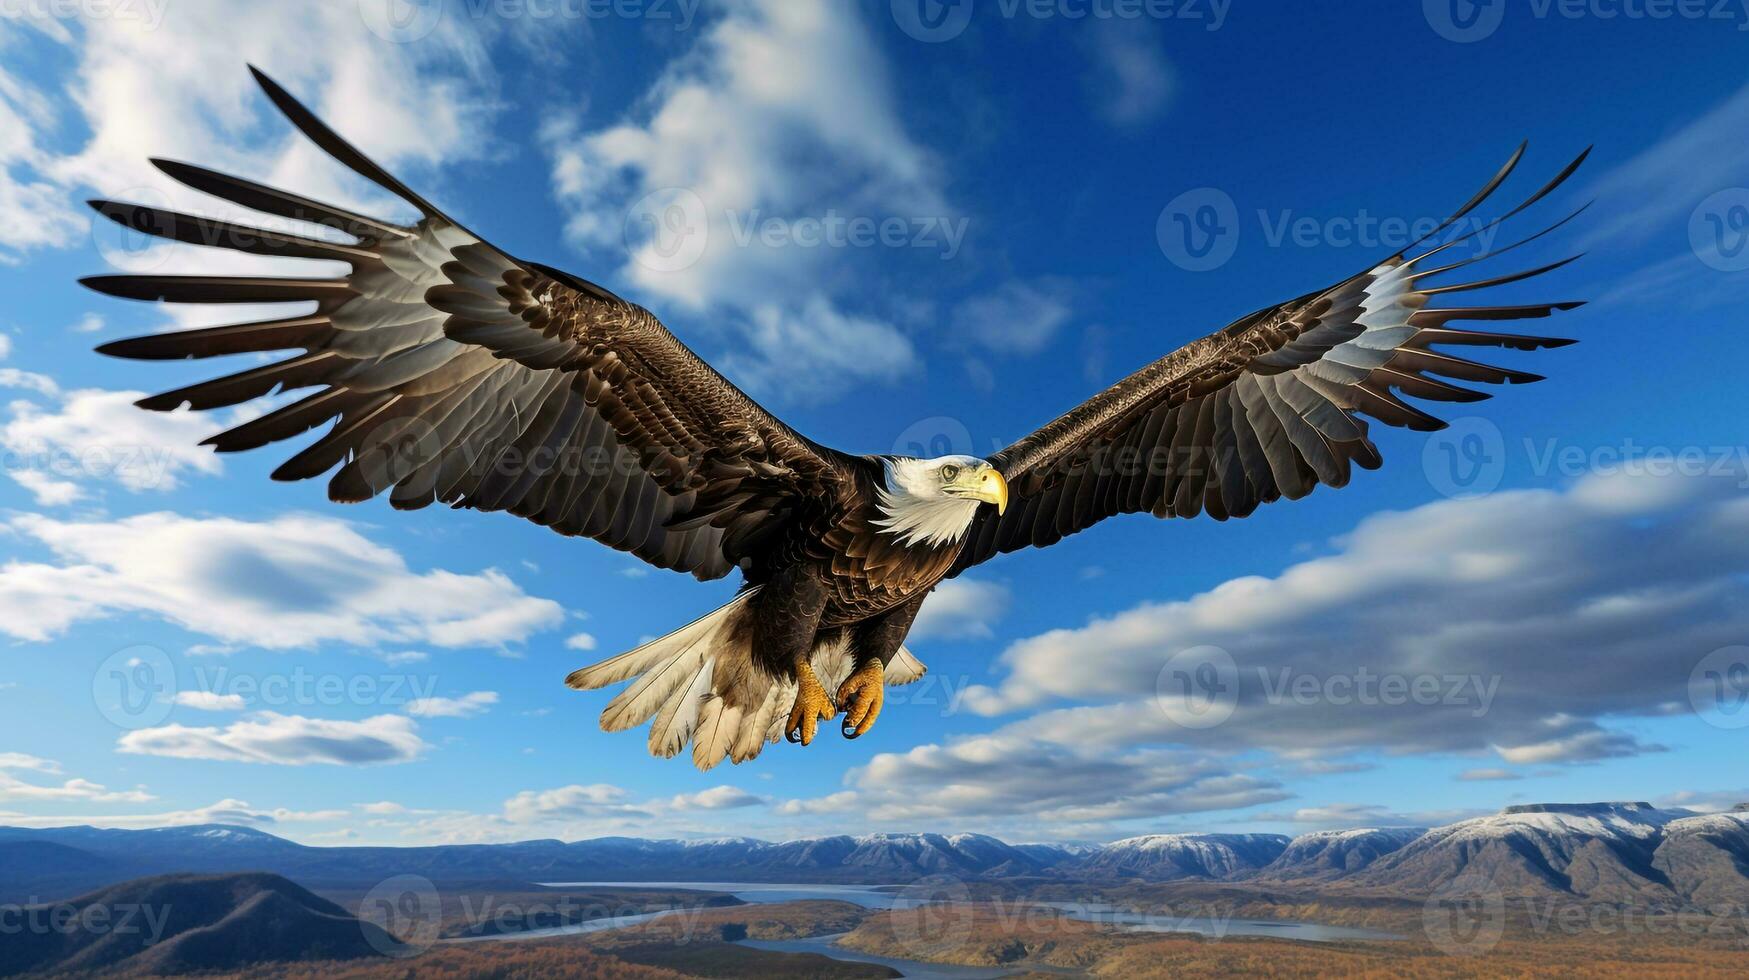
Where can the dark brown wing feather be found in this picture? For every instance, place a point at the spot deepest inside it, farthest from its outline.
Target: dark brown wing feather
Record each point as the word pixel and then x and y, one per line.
pixel 451 372
pixel 1266 408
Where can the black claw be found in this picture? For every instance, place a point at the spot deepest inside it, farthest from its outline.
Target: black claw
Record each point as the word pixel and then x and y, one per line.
pixel 793 736
pixel 850 731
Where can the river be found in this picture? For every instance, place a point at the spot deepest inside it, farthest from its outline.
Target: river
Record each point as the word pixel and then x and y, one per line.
pixel 886 897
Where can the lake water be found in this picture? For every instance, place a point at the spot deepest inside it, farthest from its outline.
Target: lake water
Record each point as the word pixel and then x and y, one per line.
pixel 887 896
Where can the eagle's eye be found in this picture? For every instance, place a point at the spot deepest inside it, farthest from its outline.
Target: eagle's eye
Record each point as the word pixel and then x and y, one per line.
pixel 950 472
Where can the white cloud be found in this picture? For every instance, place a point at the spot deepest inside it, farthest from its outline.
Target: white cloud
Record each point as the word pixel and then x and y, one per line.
pixel 42 384
pixel 1488 775
pixel 961 608
pixel 1619 586
pixel 466 706
pixel 991 780
pixel 48 491
pixel 1655 195
pixel 174 87
pixel 285 740
pixel 715 798
pixel 782 109
pixel 568 803
pixel 1662 184
pixel 1016 317
pixel 99 435
pixel 89 323
pixel 37 214
pixel 12 788
pixel 19 760
pixel 210 701
pixel 228 811
pixel 292 581
pixel 580 641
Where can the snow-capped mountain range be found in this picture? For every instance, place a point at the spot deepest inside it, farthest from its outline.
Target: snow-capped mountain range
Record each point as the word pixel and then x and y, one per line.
pixel 1616 852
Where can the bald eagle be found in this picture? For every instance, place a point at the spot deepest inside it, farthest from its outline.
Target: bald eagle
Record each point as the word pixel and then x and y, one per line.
pixel 446 370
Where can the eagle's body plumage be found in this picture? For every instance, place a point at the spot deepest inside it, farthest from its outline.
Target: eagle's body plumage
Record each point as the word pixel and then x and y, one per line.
pixel 445 370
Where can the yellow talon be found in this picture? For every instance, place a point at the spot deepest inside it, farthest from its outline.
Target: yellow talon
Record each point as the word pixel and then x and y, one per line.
pixel 861 695
pixel 811 707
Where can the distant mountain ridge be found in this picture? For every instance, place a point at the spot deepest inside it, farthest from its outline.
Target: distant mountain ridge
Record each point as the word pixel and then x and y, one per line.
pixel 1617 852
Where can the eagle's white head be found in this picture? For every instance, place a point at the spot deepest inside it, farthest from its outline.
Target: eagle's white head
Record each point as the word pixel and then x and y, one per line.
pixel 932 501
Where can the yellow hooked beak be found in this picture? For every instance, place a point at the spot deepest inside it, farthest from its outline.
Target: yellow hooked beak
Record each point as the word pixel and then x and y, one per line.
pixel 992 489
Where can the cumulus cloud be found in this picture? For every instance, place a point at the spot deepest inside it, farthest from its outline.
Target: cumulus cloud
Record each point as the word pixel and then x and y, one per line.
pixel 781 110
pixel 989 780
pixel 96 435
pixel 210 701
pixel 1535 624
pixel 961 608
pixel 715 798
pixel 285 740
pixel 569 803
pixel 415 102
pixel 580 641
pixel 292 581
pixel 466 706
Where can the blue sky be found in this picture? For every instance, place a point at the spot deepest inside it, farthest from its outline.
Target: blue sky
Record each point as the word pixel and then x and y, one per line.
pixel 186 640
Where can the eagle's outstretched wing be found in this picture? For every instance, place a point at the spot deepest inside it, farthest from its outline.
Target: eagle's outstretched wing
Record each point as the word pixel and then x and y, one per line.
pixel 453 372
pixel 1269 406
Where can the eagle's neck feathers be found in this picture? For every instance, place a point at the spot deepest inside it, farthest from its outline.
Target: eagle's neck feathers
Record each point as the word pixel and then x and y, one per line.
pixel 913 509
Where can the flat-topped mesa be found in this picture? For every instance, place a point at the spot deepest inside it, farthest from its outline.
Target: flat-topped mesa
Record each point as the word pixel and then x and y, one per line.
pixel 1581 809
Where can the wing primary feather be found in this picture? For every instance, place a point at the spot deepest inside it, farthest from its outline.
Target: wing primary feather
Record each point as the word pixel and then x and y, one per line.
pixel 271 200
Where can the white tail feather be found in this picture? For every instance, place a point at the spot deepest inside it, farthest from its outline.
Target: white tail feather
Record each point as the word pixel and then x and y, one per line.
pixel 635 704
pixel 718 725
pixel 637 661
pixel 673 726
